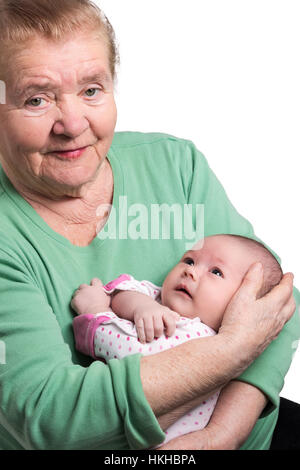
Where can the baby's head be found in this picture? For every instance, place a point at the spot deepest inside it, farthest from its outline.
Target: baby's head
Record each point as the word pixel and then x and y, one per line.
pixel 204 281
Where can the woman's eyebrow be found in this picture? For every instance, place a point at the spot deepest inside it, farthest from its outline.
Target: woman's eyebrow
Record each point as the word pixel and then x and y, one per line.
pixel 42 84
pixel 95 77
pixel 32 87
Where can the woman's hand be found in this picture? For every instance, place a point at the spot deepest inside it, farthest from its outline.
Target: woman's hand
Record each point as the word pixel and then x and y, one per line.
pixel 256 322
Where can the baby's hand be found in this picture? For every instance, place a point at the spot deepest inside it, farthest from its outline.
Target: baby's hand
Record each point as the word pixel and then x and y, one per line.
pixel 91 299
pixel 153 321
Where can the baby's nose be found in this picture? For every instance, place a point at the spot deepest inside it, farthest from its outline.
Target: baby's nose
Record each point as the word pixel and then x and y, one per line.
pixel 190 271
pixel 195 272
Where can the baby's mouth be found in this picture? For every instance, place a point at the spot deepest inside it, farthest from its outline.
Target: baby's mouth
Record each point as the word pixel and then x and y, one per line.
pixel 182 288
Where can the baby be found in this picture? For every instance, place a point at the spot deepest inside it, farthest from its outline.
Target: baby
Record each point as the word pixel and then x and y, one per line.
pixel 119 318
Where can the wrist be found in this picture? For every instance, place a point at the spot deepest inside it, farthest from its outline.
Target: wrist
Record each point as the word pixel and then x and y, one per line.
pixel 219 438
pixel 236 350
pixel 94 309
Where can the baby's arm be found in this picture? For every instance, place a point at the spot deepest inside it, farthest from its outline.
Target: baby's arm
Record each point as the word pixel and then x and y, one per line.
pixel 91 299
pixel 151 319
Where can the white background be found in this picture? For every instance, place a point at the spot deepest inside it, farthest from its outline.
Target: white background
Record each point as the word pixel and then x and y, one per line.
pixel 226 75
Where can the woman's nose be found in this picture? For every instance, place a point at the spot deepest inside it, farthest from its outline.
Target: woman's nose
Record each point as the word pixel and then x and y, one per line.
pixel 71 120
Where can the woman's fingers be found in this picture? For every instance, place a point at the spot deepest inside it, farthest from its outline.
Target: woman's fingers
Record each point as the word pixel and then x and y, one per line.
pixel 252 282
pixel 281 294
pixel 253 322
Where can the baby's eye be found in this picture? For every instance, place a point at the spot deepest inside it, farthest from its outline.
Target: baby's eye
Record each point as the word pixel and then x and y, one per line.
pixel 189 261
pixel 217 272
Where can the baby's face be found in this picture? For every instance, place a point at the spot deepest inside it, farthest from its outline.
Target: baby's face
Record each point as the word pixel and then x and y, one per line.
pixel 204 281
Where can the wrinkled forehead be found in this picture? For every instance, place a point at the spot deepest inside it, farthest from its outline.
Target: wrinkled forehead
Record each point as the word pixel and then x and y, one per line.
pixel 40 52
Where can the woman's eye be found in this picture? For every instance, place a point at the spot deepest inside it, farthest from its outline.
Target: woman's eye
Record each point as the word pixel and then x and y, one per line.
pixel 91 92
pixel 35 102
pixel 189 261
pixel 217 272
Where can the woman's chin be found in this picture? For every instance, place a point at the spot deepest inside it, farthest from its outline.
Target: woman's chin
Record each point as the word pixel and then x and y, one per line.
pixel 73 184
pixel 73 177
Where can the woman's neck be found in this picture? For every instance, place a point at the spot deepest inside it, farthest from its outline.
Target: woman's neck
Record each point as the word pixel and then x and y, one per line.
pixel 79 217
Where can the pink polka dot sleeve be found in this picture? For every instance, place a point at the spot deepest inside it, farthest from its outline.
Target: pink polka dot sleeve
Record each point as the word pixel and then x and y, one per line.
pixel 127 282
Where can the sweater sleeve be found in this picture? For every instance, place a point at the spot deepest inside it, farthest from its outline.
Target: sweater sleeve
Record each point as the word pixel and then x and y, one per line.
pixel 47 401
pixel 267 372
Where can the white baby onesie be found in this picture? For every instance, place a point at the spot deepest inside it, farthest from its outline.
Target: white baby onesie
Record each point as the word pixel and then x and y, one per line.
pixel 116 338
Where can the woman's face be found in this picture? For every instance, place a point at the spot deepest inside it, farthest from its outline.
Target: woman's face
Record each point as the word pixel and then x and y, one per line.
pixel 59 118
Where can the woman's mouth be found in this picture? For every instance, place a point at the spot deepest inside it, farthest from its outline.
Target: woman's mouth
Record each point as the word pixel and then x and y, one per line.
pixel 69 154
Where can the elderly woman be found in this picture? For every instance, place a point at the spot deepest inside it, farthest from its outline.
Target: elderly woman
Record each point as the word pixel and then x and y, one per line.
pixel 61 165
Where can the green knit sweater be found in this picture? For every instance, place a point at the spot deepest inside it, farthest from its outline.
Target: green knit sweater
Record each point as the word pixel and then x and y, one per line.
pixel 51 396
